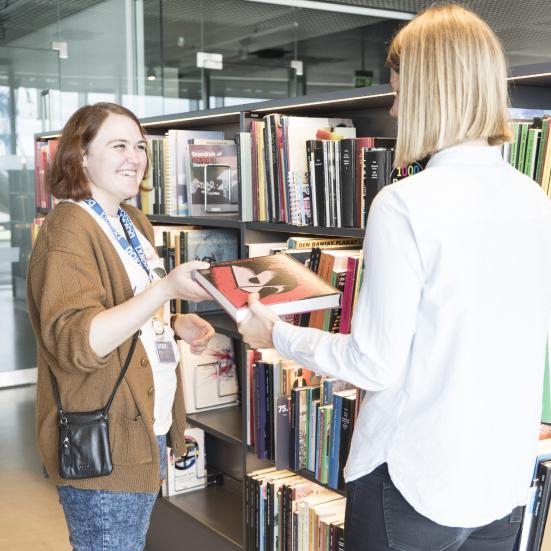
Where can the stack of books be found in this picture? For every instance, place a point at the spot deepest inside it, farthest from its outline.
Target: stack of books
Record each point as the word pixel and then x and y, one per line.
pixel 298 419
pixel 192 173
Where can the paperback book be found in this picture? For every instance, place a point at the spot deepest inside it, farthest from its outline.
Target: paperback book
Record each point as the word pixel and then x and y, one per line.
pixel 284 284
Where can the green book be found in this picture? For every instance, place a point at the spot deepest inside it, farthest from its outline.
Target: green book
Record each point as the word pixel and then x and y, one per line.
pixel 541 152
pixel 326 415
pixel 522 145
pixel 531 150
pixel 514 146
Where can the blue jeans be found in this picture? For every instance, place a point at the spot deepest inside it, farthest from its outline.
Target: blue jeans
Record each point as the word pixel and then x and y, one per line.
pixel 378 518
pixel 99 520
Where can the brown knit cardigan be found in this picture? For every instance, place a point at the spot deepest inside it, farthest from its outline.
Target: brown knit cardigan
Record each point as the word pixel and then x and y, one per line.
pixel 74 274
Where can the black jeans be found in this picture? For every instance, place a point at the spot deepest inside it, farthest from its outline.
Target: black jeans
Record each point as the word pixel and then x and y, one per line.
pixel 378 518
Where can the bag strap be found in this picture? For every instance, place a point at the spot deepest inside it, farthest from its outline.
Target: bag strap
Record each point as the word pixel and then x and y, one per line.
pixel 117 384
pixel 123 371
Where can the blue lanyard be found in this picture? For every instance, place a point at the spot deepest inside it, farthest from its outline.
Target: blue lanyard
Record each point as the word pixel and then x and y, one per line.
pixel 134 249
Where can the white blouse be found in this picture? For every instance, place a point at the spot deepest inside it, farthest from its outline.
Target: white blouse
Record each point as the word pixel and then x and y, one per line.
pixel 164 374
pixel 448 336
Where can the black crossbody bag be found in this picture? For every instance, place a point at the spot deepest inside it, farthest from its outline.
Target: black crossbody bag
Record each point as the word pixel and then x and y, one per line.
pixel 84 450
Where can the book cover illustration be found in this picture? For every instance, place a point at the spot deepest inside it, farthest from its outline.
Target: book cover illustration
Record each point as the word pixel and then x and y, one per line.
pixel 278 279
pixel 209 379
pixel 214 179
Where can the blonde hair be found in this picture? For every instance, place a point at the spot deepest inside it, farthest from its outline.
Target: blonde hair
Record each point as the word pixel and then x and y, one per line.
pixel 453 84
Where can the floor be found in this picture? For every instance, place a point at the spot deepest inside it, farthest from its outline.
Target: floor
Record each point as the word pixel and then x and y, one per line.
pixel 31 518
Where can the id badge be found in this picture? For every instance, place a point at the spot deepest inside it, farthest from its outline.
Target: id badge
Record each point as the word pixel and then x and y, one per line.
pixel 165 351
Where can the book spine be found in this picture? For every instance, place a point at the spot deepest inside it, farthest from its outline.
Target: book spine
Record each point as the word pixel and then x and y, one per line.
pixel 333 478
pixel 513 151
pixel 310 144
pixel 375 177
pixel 325 448
pixel 541 152
pixel 544 507
pixel 346 432
pixel 347 159
pixel 528 161
pixel 270 414
pixel 522 145
pixel 319 172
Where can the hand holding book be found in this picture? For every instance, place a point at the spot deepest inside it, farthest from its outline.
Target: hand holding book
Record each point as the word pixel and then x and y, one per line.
pixel 179 283
pixel 256 328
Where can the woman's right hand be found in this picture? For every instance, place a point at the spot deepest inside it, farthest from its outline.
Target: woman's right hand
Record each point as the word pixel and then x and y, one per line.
pixel 179 283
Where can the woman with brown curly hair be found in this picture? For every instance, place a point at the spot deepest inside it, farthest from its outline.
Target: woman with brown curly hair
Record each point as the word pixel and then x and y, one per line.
pixel 94 281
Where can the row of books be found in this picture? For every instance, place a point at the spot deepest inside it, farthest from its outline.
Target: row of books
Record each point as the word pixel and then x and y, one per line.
pixel 530 150
pixel 298 170
pixel 314 171
pixel 192 173
pixel 338 261
pixel 286 512
pixel 299 420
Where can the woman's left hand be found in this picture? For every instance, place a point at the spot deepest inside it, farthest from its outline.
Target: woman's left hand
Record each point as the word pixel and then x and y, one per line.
pixel 194 330
pixel 257 327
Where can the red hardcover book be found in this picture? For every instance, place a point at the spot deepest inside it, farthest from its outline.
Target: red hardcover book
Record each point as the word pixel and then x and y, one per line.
pixel 285 285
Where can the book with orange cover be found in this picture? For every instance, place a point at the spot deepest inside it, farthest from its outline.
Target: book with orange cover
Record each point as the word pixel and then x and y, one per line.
pixel 285 285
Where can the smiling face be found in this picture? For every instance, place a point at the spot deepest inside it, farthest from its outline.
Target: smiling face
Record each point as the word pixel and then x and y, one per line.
pixel 115 162
pixel 395 85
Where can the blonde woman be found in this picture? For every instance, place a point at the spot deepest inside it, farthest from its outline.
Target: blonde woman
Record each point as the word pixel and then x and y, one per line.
pixel 449 333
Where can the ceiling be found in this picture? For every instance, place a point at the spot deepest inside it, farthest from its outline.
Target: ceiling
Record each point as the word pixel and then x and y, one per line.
pixel 258 41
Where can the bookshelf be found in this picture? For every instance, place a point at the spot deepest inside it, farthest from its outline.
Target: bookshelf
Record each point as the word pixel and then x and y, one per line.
pixel 213 518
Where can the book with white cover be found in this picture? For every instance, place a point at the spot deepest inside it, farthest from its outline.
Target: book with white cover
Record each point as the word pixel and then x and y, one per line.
pixel 209 379
pixel 188 472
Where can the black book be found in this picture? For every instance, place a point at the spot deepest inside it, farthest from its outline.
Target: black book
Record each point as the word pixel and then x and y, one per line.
pixel 347 427
pixel 377 168
pixel 335 317
pixel 340 538
pixel 287 543
pixel 269 168
pixel 541 506
pixel 317 179
pixel 348 181
pixel 312 181
pixel 282 435
pixel 295 530
pixel 269 426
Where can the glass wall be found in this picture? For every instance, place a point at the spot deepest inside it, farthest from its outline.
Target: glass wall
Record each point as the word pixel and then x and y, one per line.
pixel 268 51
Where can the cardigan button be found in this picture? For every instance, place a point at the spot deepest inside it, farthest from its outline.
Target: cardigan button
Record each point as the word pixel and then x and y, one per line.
pixel 150 391
pixel 144 362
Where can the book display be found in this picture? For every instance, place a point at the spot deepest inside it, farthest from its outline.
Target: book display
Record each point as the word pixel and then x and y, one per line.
pixel 293 179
